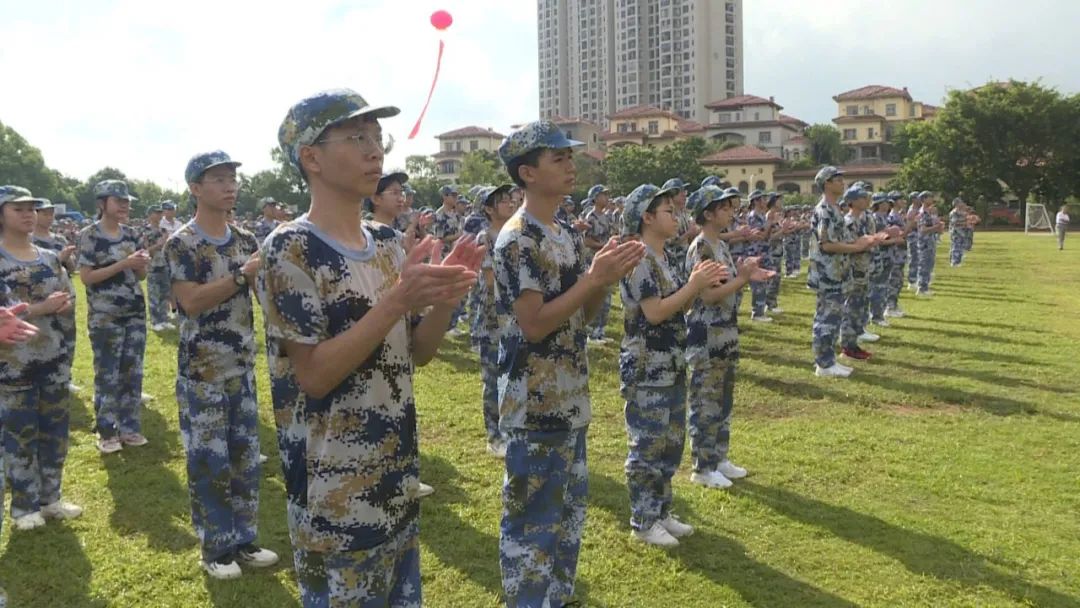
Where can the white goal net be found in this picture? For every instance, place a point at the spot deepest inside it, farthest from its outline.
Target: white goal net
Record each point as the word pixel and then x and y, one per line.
pixel 1037 218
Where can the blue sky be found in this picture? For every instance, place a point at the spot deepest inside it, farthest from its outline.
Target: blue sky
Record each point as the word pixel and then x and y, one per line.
pixel 142 86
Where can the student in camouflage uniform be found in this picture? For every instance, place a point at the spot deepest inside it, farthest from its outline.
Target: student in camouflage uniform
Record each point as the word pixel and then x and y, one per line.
pixel 830 269
pixel 913 241
pixel 446 226
pixel 152 238
pixel 678 244
pixel 652 365
pixel 880 259
pixel 212 266
pixel 34 375
pixel 712 343
pixel 793 244
pixel 777 232
pixel 498 206
pixel 758 246
pixel 545 299
pixel 112 263
pixel 339 296
pixel 930 228
pixel 601 228
pixel 46 239
pixel 897 219
pixel 958 227
pixel 858 224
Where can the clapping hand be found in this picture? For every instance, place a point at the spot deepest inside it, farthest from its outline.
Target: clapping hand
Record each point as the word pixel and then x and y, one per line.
pixel 615 260
pixel 14 330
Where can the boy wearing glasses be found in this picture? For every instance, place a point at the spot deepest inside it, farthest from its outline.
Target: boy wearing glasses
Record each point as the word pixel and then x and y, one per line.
pixel 343 332
pixel 212 266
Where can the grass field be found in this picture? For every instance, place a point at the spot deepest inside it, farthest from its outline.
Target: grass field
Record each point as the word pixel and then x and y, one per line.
pixel 945 472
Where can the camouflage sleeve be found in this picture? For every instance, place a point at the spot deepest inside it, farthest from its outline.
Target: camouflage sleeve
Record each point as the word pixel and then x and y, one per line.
pixel 642 283
pixel 86 249
pixel 831 231
pixel 289 293
pixel 180 260
pixel 518 268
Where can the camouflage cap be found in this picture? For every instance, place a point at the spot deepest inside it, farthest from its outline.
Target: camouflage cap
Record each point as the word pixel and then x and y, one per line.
pixel 756 194
pixel 700 200
pixel 153 209
pixel 394 177
pixel 957 201
pixel 878 198
pixel 772 195
pixel 408 189
pixel 638 201
pixel 711 180
pixel 896 195
pixel 864 185
pixel 489 194
pixel 199 163
pixel 926 194
pixel 309 117
pixel 43 204
pixel 113 187
pixel 825 174
pixel 266 200
pixel 854 193
pixel 447 191
pixel 674 183
pixel 597 190
pixel 171 206
pixel 533 136
pixel 15 194
pixel 914 195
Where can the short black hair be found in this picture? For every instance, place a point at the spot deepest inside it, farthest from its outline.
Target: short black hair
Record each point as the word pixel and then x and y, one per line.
pixel 699 217
pixel 530 158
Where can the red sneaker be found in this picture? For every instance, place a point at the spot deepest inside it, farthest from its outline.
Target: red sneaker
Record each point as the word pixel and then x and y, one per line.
pixel 856 353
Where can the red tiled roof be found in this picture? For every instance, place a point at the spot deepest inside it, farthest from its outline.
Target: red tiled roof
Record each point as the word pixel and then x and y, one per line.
pixel 798 139
pixel 690 126
pixel 741 154
pixel 873 91
pixel 470 132
pixel 740 101
pixel 859 118
pixel 929 110
pixel 596 154
pixel 791 120
pixel 642 111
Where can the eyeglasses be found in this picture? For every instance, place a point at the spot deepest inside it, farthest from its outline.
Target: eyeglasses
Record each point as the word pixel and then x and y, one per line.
pixel 366 142
pixel 230 180
pixel 393 192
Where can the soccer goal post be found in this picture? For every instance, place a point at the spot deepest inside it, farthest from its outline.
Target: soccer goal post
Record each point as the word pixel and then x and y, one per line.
pixel 1037 218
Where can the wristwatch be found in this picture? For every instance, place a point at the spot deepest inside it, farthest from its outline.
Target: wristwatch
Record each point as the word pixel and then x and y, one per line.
pixel 240 279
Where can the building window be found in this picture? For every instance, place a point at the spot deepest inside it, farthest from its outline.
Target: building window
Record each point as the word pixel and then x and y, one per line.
pixel 870 133
pixel 623 127
pixel 654 127
pixel 764 137
pixel 849 134
pixel 725 117
pixel 911 110
pixel 474 145
pixel 457 146
pixel 867 110
pixel 448 146
pixel 852 110
pixel 890 109
pixel 757 116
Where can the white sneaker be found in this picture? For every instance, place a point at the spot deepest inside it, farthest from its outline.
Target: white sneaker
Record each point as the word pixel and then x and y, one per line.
pixel 157 327
pixel 712 479
pixel 256 557
pixel 761 319
pixel 74 388
pixel 497 449
pixel 831 372
pixel 882 322
pixel 424 490
pixel 844 367
pixel 599 340
pixel 924 293
pixel 133 439
pixel 61 510
pixel 656 535
pixel 776 311
pixel 912 286
pixel 109 446
pixel 263 459
pixel 894 313
pixel 675 527
pixel 457 333
pixel 145 398
pixel 223 568
pixel 729 470
pixel 869 337
pixel 29 521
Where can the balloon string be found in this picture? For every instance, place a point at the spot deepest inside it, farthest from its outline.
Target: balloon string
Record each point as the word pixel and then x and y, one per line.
pixel 438 66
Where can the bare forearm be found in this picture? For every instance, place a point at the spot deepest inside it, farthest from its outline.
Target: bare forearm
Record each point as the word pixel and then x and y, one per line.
pixel 663 309
pixel 546 318
pixel 717 294
pixel 428 335
pixel 829 247
pixel 197 299
pixel 91 276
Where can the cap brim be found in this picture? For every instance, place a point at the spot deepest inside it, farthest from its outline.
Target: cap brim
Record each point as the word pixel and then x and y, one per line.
pixel 667 192
pixel 560 142
pixel 374 112
pixel 232 163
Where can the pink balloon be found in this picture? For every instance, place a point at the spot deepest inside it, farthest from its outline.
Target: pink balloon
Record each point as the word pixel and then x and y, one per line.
pixel 441 20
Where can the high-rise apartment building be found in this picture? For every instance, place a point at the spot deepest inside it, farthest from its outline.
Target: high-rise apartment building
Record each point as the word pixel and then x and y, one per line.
pixel 598 57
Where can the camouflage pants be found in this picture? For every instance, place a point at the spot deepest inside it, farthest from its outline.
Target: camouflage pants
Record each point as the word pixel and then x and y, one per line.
pixel 489 374
pixel 927 253
pixel 804 242
pixel 158 292
pixel 118 345
pixel 827 318
pixel 913 260
pixel 879 290
pixel 219 426
pixel 712 399
pixel 35 438
pixel 384 576
pixel 896 285
pixel 856 312
pixel 969 238
pixel 957 247
pixel 656 434
pixel 544 498
pixel 792 259
pixel 772 287
pixel 759 291
pixel 600 323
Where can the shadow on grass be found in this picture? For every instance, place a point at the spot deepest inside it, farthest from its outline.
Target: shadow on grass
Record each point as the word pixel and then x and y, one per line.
pixel 148 497
pixel 920 553
pixel 721 559
pixel 964 335
pixel 47 567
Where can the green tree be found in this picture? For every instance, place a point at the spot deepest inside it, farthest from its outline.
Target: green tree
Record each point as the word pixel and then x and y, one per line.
pixel 481 167
pixel 84 195
pixel 22 164
pixel 589 173
pixel 423 178
pixel 627 167
pixel 825 146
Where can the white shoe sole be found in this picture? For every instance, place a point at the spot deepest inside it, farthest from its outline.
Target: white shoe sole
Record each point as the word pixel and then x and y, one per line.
pixel 707 483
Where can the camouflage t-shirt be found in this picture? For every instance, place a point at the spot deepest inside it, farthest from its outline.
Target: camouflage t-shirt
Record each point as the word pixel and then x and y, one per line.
pixel 828 271
pixel 712 330
pixel 756 221
pixel 475 223
pixel 219 343
pixel 350 458
pixel 53 242
pixel 446 223
pixel 543 386
pixel 485 323
pixel 860 262
pixel 150 236
pixel 119 296
pixel 601 228
pixel 45 359
pixel 651 355
pixel 263 228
